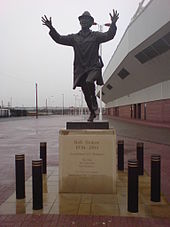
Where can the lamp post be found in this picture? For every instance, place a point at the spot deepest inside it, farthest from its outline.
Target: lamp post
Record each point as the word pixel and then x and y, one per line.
pixel 46 105
pixel 63 104
pixel 11 102
pixel 75 104
pixel 36 95
pixel 100 28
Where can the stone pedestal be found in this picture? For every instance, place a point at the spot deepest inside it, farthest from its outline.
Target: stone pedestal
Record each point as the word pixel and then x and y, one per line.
pixel 87 161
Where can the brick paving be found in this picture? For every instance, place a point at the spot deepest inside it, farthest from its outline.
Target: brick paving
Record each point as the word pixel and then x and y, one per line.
pixel 79 221
pixel 24 135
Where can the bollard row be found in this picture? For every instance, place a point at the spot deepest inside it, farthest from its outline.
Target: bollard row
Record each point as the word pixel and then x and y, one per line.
pixel 139 155
pixel 39 167
pixel 136 168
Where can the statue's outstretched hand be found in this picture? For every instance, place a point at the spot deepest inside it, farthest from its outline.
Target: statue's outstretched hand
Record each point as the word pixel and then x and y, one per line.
pixel 115 16
pixel 46 22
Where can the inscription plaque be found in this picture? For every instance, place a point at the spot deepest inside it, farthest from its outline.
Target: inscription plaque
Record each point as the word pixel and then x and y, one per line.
pixel 87 161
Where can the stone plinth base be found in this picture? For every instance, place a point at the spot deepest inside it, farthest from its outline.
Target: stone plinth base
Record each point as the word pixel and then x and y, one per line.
pixel 87 161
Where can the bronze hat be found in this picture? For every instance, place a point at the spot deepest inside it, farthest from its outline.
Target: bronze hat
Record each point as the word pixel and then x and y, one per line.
pixel 86 14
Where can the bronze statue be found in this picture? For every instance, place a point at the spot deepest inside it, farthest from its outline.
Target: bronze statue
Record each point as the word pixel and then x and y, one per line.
pixel 87 62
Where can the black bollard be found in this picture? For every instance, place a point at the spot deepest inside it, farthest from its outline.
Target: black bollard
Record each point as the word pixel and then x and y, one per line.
pixel 20 176
pixel 43 156
pixel 133 186
pixel 120 155
pixel 37 189
pixel 155 178
pixel 139 149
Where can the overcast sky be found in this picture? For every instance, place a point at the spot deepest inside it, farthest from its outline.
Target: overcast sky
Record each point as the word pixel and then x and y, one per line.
pixel 28 54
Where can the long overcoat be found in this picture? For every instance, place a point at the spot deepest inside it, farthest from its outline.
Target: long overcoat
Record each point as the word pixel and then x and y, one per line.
pixel 86 50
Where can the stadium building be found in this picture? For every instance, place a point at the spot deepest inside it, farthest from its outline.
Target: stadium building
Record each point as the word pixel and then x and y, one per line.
pixel 137 78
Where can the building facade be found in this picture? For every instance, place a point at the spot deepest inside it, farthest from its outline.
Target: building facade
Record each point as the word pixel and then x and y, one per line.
pixel 137 78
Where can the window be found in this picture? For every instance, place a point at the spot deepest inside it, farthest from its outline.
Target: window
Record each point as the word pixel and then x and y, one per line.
pixel 109 86
pixel 123 73
pixel 160 46
pixel 157 48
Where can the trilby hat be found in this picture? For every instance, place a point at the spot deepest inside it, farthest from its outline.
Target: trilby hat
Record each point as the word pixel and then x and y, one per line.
pixel 86 14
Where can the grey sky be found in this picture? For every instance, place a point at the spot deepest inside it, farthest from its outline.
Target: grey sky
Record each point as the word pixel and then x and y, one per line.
pixel 29 55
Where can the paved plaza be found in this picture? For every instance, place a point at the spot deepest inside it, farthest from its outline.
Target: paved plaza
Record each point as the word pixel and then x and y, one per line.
pixel 23 136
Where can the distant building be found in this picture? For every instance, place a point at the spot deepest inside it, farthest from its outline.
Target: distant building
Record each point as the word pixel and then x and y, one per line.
pixel 4 112
pixel 137 78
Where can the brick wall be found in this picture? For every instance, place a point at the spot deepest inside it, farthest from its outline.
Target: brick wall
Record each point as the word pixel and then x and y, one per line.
pixel 156 111
pixel 166 111
pixel 124 111
pixel 111 111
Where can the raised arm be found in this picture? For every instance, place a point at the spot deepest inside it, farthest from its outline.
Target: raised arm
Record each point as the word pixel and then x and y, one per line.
pixel 64 40
pixel 106 36
pixel 115 16
pixel 47 22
